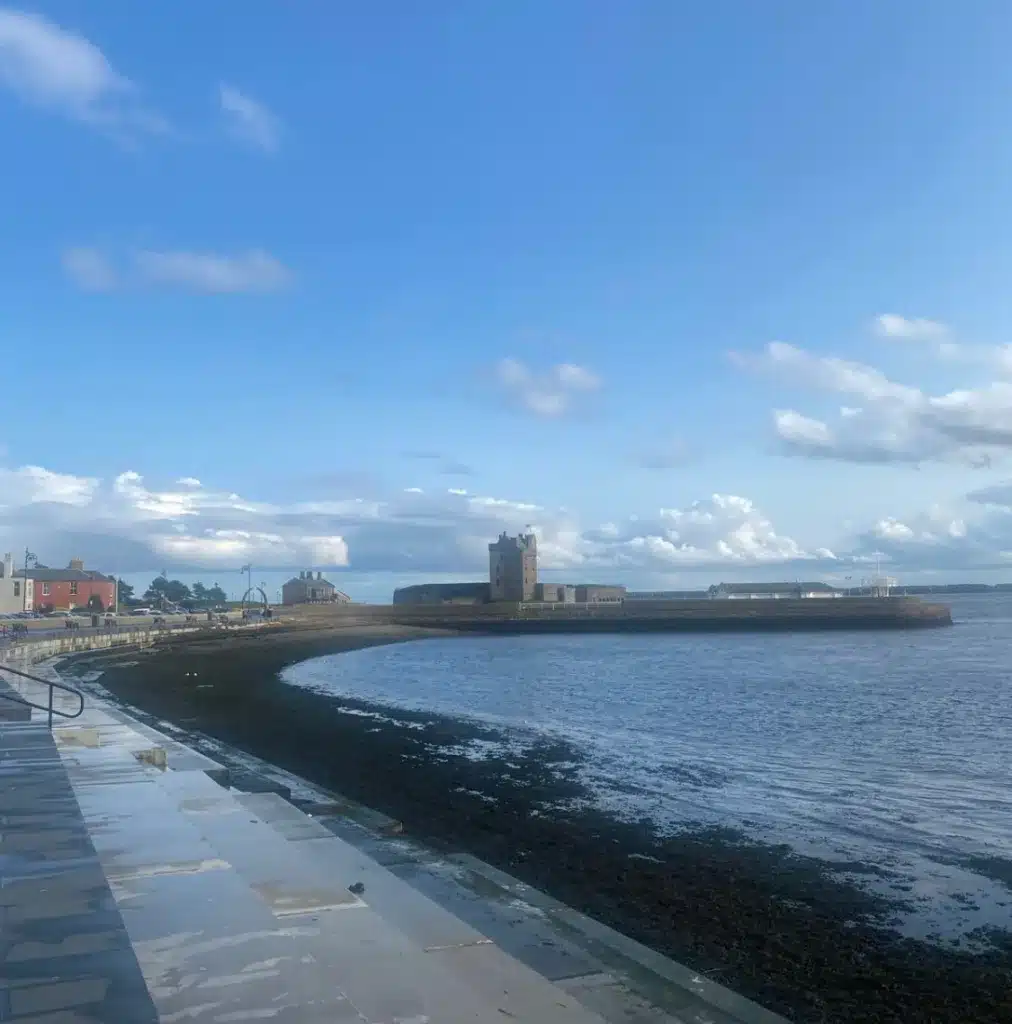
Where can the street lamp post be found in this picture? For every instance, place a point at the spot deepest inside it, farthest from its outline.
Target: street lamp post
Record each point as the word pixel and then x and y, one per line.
pixel 24 593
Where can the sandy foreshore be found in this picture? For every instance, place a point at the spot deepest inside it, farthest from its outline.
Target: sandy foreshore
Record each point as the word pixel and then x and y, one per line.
pixel 781 929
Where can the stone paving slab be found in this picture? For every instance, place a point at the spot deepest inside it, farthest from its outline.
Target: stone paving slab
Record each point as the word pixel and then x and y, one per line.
pixel 64 949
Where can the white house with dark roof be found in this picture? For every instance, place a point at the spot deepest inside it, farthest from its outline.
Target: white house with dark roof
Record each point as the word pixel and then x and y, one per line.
pixel 310 589
pixel 16 594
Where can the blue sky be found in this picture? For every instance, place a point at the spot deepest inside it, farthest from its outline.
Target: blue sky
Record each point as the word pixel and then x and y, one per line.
pixel 341 263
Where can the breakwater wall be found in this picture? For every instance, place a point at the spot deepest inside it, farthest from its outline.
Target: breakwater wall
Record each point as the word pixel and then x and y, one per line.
pixel 677 616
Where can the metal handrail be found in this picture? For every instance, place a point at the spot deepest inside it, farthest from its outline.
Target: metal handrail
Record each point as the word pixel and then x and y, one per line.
pixel 18 699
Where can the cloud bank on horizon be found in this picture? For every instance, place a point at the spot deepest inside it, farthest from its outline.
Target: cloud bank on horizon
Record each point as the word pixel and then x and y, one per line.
pixel 129 527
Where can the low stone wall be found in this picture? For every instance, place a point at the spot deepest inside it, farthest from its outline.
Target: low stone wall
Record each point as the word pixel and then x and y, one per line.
pixel 29 652
pixel 32 651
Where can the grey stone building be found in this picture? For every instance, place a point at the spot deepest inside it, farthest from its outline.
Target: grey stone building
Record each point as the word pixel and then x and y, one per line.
pixel 513 568
pixel 599 593
pixel 308 589
pixel 555 593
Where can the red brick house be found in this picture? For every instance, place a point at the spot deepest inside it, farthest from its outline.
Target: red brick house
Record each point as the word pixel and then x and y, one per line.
pixel 62 589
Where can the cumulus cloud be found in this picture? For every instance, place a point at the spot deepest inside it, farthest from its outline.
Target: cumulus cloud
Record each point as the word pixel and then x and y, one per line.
pixel 90 269
pixel 550 394
pixel 972 533
pixel 136 527
pixel 941 539
pixel 723 530
pixel 55 69
pixel 251 271
pixel 894 422
pixel 249 121
pixel 889 325
pixel 123 524
pixel 33 485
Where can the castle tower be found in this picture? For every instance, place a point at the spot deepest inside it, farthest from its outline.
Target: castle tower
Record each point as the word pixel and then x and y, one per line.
pixel 513 567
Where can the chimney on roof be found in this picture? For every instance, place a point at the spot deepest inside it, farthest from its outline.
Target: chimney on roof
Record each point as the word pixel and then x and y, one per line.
pixel 77 563
pixel 319 575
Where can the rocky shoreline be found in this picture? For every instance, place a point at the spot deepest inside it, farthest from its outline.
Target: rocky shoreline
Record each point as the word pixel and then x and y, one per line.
pixel 779 928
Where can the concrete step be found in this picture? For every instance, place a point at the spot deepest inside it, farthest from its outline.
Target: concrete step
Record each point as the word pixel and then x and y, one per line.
pixel 208 946
pixel 287 882
pixel 230 921
pixel 472 923
pixel 523 988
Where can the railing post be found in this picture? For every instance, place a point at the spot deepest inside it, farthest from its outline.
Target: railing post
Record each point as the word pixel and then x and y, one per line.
pixel 50 708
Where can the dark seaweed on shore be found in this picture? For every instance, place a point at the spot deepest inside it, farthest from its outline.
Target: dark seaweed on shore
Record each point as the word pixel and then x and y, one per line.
pixel 783 929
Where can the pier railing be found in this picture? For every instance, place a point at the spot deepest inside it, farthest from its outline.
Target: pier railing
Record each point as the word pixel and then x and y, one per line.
pixel 17 698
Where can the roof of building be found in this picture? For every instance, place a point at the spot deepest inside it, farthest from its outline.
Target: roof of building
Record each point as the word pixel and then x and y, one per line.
pixel 773 588
pixel 306 580
pixel 44 574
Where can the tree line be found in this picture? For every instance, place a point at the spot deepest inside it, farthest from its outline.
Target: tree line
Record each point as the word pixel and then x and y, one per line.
pixel 164 591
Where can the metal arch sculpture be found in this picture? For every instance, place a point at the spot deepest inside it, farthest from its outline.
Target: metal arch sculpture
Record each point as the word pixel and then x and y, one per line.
pixel 255 599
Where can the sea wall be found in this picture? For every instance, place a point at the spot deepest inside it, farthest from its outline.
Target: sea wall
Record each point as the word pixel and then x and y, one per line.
pixel 41 648
pixel 670 616
pixel 30 652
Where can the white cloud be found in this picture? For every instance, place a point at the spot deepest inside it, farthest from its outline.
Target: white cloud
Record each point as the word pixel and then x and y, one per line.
pixel 550 394
pixel 829 373
pixel 794 428
pixel 206 272
pixel 57 70
pixel 124 525
pixel 134 527
pixel 251 271
pixel 32 485
pixel 90 269
pixel 224 548
pixel 724 530
pixel 942 538
pixel 895 422
pixel 248 120
pixel 188 481
pixel 889 325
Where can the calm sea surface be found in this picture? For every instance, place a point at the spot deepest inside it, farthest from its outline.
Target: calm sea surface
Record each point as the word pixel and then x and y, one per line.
pixel 889 748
